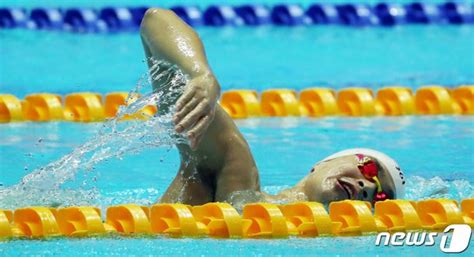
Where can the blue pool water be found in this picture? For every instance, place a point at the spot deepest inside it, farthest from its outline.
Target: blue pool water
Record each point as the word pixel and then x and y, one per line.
pixel 257 58
pixel 437 153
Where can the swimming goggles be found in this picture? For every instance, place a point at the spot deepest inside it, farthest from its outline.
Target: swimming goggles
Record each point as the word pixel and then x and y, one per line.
pixel 369 169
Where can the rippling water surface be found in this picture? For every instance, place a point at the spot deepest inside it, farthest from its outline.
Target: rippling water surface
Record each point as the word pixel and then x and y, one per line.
pixel 102 164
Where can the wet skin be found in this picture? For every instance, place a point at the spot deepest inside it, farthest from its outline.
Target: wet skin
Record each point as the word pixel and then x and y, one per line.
pixel 218 162
pixel 340 178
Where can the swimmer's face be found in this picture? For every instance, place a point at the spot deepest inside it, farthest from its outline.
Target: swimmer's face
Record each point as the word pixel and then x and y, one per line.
pixel 340 178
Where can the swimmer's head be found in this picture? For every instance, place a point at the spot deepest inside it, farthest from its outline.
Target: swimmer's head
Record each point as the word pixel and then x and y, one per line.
pixel 357 174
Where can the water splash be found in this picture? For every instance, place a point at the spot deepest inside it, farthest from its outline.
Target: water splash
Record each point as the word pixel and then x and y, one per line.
pixel 115 139
pixel 419 188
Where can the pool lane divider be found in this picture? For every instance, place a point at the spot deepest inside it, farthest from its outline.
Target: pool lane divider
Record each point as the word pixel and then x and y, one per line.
pixel 221 220
pixel 239 104
pixel 123 19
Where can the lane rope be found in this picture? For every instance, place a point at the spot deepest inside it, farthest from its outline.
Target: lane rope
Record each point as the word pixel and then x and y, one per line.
pixel 221 220
pixel 125 19
pixel 310 102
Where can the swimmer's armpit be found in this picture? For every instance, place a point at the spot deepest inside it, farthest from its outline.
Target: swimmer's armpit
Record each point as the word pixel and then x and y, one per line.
pixel 166 37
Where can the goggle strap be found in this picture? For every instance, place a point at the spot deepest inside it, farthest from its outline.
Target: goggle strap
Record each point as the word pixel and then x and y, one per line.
pixel 379 185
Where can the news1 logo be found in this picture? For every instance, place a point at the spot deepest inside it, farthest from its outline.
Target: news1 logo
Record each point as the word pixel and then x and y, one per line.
pixel 454 239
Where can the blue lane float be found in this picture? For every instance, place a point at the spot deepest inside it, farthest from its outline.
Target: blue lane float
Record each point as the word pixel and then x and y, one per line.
pixel 390 14
pixel 137 14
pixel 355 14
pixel 81 20
pixel 118 19
pixel 289 15
pixel 457 13
pixel 254 15
pixel 192 15
pixel 13 18
pixel 222 15
pixel 47 18
pixel 422 13
pixel 323 14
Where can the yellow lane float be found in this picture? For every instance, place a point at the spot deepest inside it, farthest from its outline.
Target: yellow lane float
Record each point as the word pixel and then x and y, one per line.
pixel 36 222
pixel 279 103
pixel 241 103
pixel 10 109
pixel 464 97
pixel 307 219
pixel 175 220
pixel 352 218
pixel 43 107
pixel 397 215
pixel 317 102
pixel 80 221
pixel 437 214
pixel 86 107
pixel 113 101
pixel 356 102
pixel 433 100
pixel 310 102
pixel 467 207
pixel 129 219
pixel 221 220
pixel 5 223
pixel 264 220
pixel 396 101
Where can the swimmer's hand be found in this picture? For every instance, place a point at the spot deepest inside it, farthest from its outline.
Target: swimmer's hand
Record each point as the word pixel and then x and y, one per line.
pixel 195 109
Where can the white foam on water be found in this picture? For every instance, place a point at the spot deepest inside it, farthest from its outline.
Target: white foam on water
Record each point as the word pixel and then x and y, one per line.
pixel 419 188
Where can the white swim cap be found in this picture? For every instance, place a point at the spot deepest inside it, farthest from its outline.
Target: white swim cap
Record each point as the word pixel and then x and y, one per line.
pixel 391 166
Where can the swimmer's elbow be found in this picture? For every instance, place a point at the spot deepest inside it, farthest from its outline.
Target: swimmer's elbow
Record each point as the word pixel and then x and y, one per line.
pixel 156 13
pixel 155 17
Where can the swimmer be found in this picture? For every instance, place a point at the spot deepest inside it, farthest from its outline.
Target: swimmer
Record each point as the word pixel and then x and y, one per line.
pixel 217 164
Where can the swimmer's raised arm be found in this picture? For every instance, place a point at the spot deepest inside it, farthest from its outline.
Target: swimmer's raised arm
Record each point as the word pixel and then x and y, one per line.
pixel 166 37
